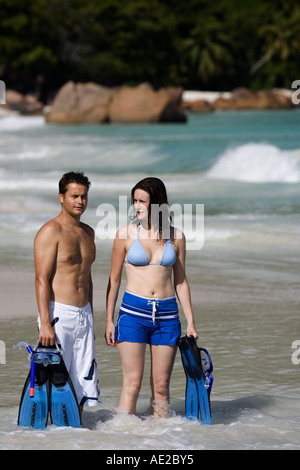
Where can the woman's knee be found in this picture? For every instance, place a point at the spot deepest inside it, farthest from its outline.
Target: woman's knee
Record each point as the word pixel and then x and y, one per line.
pixel 161 387
pixel 133 387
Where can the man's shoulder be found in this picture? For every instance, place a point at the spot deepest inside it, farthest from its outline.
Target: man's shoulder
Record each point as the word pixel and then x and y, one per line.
pixel 88 229
pixel 49 229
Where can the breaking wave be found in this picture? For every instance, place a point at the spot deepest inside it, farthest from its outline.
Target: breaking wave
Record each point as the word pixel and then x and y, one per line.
pixel 257 162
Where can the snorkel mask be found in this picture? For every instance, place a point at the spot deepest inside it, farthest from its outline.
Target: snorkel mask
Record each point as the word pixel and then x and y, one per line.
pixel 41 355
pixel 46 356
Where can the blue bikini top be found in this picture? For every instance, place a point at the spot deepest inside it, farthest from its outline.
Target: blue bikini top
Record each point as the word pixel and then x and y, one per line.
pixel 137 255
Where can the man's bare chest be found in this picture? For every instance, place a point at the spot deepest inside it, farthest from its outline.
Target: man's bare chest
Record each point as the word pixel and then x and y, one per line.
pixel 76 248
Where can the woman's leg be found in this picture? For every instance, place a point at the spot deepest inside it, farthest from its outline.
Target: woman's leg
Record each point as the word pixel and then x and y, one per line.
pixel 132 360
pixel 162 361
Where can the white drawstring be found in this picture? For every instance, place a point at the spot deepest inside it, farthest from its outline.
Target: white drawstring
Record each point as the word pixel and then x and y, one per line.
pixel 154 303
pixel 82 316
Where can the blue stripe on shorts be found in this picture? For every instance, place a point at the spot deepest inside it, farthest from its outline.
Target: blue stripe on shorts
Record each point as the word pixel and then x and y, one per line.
pixel 152 321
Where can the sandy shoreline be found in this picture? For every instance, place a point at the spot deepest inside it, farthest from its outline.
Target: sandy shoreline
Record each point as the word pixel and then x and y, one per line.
pixel 211 292
pixel 212 96
pixel 17 294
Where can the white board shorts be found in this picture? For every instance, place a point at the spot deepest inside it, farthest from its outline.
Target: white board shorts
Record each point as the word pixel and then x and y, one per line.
pixel 74 330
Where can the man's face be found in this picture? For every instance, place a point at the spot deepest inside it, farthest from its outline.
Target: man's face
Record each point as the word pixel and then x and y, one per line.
pixel 74 201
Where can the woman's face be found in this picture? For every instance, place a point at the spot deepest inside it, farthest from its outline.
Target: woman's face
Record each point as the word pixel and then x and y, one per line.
pixel 141 202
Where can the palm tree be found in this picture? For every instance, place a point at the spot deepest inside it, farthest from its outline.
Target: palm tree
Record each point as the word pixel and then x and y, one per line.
pixel 207 49
pixel 281 36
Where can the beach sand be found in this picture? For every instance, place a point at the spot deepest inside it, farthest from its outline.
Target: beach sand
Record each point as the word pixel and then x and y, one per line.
pixel 210 290
pixel 17 295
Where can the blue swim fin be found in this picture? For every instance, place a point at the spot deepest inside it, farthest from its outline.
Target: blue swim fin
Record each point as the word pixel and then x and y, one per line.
pixel 199 382
pixel 191 392
pixel 33 411
pixel 64 410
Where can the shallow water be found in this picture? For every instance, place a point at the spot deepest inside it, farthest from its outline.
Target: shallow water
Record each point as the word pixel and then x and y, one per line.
pixel 255 397
pixel 245 169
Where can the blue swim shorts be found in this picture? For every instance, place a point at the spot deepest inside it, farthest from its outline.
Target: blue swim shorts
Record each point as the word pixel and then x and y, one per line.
pixel 151 321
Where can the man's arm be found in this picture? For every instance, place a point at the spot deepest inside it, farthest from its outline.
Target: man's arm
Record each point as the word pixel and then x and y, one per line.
pixel 45 253
pixel 91 291
pixel 90 231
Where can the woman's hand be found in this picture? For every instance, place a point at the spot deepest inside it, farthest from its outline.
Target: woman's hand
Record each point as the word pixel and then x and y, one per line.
pixel 191 331
pixel 110 334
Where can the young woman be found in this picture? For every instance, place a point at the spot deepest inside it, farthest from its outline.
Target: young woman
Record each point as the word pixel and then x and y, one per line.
pixel 152 252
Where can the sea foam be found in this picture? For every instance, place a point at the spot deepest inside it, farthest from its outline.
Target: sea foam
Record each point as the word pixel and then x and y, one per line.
pixel 13 122
pixel 257 162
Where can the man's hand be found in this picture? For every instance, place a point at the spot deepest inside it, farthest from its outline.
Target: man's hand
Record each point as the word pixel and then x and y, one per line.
pixel 47 335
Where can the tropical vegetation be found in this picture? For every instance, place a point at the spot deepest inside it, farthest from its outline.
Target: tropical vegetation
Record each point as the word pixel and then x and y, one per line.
pixel 196 44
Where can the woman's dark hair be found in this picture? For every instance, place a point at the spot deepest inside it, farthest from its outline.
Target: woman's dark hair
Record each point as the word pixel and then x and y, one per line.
pixel 73 177
pixel 159 212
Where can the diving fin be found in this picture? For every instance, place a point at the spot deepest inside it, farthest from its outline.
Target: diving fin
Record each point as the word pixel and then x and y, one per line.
pixel 191 392
pixel 53 390
pixel 33 411
pixel 198 381
pixel 64 410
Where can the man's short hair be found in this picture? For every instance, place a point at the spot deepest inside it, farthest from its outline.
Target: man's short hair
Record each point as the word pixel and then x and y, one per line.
pixel 73 177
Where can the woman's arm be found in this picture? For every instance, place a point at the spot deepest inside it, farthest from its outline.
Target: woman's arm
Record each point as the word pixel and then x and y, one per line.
pixel 182 288
pixel 117 260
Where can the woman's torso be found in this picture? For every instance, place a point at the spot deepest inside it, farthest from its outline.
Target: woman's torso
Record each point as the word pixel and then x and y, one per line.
pixel 149 264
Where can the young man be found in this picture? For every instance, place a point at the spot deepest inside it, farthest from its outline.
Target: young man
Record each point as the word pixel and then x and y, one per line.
pixel 64 251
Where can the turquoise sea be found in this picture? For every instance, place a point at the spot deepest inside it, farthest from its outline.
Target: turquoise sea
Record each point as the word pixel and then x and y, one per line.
pixel 243 169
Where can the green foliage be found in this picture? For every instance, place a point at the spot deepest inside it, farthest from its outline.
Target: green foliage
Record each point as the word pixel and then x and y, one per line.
pixel 196 44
